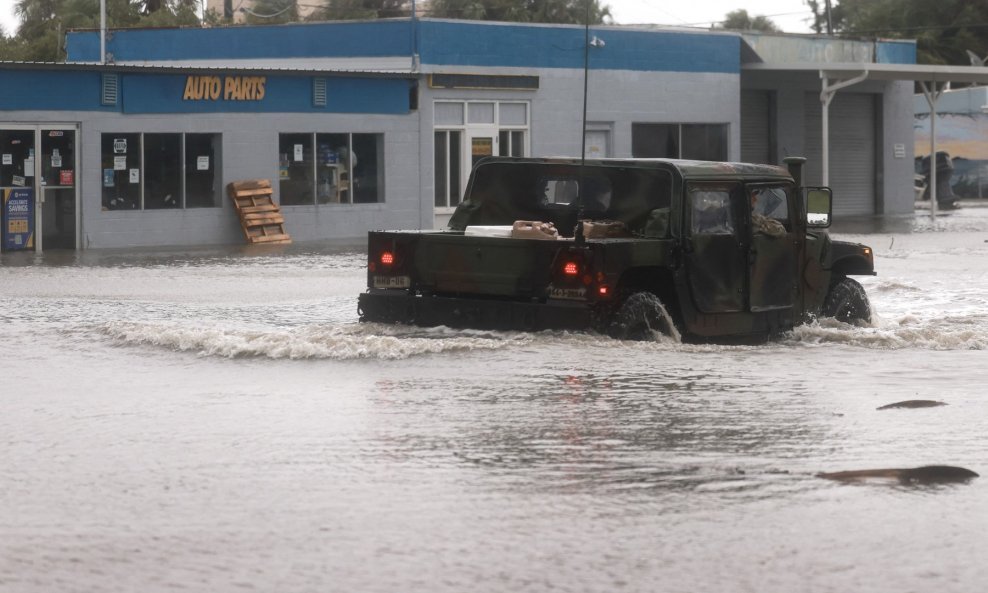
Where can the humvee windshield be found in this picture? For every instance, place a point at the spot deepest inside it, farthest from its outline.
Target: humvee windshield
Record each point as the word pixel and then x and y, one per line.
pixel 503 192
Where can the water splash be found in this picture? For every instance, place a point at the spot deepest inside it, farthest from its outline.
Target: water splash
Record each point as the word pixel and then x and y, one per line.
pixel 337 342
pixel 962 333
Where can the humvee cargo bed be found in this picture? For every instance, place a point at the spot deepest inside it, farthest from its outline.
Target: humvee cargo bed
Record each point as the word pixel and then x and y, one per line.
pixel 707 251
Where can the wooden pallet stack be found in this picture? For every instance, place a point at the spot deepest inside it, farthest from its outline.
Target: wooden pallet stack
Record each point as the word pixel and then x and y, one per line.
pixel 260 218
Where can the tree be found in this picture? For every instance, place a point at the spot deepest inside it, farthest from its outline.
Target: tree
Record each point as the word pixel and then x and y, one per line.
pixel 272 12
pixel 43 23
pixel 944 30
pixel 341 10
pixel 522 11
pixel 738 20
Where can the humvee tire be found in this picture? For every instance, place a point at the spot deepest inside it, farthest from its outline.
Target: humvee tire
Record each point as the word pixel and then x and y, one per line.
pixel 847 302
pixel 642 315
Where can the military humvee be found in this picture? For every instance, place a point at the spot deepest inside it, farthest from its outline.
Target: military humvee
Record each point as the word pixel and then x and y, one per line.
pixel 708 251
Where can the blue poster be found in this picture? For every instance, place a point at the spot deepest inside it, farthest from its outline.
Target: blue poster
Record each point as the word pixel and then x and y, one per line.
pixel 18 218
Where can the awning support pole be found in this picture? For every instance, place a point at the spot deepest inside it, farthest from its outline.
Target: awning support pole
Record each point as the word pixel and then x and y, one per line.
pixel 931 100
pixel 826 96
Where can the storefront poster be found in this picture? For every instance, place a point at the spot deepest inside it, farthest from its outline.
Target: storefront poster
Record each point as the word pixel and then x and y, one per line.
pixel 202 163
pixel 18 218
pixel 119 163
pixel 8 159
pixel 66 177
pixel 108 178
pixel 135 175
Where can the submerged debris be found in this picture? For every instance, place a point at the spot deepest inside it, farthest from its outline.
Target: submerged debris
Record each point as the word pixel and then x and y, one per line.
pixel 913 403
pixel 928 474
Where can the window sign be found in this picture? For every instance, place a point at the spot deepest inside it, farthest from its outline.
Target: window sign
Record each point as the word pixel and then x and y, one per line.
pixel 29 167
pixel 18 180
pixel 159 171
pixel 8 159
pixel 66 177
pixel 56 160
pixel 298 152
pixel 119 146
pixel 18 209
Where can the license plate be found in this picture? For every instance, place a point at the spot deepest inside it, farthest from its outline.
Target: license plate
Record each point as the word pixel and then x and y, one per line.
pixel 392 281
pixel 576 294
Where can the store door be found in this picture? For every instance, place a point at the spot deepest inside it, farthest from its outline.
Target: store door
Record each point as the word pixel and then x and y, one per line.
pixel 17 186
pixel 57 211
pixel 38 165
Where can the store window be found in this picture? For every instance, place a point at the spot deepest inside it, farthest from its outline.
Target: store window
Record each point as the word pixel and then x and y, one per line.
pixel 162 159
pixel 160 171
pixel 704 142
pixel 447 161
pixel 330 168
pixel 203 187
pixel 465 132
pixel 121 164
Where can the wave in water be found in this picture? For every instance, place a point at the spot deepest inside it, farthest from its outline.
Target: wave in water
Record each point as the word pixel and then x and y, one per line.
pixel 388 342
pixel 959 333
pixel 339 342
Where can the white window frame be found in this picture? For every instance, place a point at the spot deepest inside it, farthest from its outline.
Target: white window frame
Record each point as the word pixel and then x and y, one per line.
pixel 468 130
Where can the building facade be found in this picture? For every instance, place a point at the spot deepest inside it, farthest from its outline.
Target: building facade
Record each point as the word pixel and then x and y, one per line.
pixel 364 125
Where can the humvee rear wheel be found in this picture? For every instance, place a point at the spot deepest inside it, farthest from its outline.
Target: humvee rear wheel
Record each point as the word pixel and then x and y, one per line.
pixel 847 302
pixel 642 318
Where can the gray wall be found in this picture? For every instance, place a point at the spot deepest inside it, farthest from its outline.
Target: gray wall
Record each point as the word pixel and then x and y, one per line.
pixel 249 151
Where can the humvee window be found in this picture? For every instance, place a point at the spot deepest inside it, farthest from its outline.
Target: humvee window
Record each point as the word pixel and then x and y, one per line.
pixel 771 202
pixel 563 191
pixel 712 212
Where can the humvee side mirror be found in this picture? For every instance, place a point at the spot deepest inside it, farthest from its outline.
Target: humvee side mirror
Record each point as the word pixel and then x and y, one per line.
pixel 819 206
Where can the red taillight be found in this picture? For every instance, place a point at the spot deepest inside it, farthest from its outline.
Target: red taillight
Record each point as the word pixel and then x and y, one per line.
pixel 602 291
pixel 387 258
pixel 571 269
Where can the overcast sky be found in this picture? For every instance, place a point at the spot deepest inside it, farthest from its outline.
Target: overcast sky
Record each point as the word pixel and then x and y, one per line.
pixel 790 15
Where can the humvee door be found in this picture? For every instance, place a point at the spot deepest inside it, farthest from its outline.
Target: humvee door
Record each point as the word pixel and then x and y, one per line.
pixel 773 247
pixel 716 263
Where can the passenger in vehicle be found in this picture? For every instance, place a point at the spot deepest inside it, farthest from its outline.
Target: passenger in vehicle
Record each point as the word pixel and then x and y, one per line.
pixel 762 204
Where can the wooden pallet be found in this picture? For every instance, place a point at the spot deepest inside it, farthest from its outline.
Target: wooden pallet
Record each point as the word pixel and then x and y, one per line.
pixel 260 217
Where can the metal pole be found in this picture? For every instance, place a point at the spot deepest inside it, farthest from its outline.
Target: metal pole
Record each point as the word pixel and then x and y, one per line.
pixel 825 118
pixel 102 31
pixel 826 96
pixel 931 100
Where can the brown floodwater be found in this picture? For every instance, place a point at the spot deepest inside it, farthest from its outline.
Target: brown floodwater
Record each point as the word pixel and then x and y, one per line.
pixel 218 420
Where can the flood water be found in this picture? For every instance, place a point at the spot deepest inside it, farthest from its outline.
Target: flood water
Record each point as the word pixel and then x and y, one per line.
pixel 217 420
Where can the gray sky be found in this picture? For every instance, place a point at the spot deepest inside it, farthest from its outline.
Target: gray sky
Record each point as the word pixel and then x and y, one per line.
pixel 790 15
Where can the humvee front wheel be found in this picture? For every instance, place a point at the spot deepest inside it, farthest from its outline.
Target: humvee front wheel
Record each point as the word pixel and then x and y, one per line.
pixel 641 317
pixel 847 302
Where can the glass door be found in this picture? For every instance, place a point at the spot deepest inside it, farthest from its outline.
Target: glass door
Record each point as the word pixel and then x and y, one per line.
pixel 58 182
pixel 17 187
pixel 480 145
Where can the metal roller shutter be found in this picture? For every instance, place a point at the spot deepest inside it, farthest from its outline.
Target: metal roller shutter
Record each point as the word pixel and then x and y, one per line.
pixel 852 150
pixel 755 127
